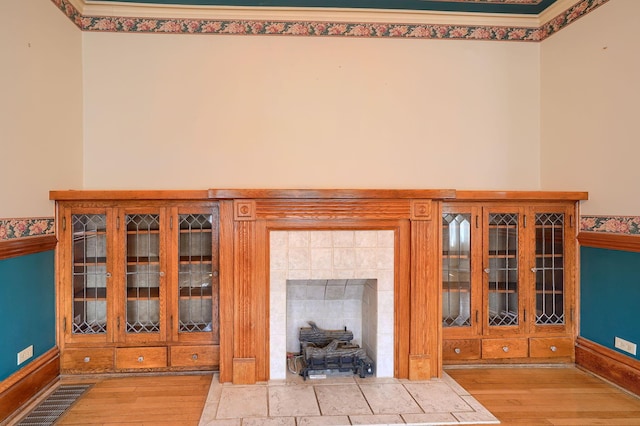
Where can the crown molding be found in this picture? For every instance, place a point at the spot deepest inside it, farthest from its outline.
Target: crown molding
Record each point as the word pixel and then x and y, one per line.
pixel 105 16
pixel 157 11
pixel 554 10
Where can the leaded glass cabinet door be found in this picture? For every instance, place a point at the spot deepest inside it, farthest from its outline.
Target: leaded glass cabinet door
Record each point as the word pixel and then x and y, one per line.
pixel 461 296
pixel 553 250
pixel 144 317
pixel 504 263
pixel 89 275
pixel 195 316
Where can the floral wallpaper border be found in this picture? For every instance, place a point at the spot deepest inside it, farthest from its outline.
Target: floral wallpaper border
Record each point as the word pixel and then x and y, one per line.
pixel 326 29
pixel 626 225
pixel 26 227
pixel 32 227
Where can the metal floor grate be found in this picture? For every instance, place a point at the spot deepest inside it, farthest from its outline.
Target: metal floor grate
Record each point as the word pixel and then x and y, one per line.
pixel 54 405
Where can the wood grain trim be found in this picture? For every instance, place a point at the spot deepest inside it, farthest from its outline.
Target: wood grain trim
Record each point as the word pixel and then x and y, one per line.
pixel 620 369
pixel 609 241
pixel 522 195
pixel 425 310
pixel 227 253
pixel 337 194
pixel 73 195
pixel 28 245
pixel 333 209
pixel 20 387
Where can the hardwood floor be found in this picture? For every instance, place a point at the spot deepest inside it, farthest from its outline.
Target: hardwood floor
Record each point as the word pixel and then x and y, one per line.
pixel 548 396
pixel 516 395
pixel 148 400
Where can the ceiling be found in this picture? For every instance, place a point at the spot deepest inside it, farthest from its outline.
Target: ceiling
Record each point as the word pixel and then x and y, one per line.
pixel 525 7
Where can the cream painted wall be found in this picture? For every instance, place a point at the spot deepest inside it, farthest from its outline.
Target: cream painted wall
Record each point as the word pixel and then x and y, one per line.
pixel 40 106
pixel 590 114
pixel 177 111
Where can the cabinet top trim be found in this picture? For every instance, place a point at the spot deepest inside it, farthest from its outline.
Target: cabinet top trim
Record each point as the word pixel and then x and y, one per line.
pixel 522 195
pixel 315 194
pixel 78 195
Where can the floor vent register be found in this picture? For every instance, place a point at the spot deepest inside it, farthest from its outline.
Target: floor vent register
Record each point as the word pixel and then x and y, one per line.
pixel 53 406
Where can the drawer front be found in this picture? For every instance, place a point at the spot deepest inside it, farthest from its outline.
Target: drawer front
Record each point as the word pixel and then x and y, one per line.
pixel 86 359
pixel 460 349
pixel 505 348
pixel 195 356
pixel 551 347
pixel 151 357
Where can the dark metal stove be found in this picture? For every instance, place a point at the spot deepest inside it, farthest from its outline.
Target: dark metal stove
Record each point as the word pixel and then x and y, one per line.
pixel 331 351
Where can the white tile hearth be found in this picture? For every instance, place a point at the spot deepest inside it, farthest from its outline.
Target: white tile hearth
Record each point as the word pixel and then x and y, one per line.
pixel 343 401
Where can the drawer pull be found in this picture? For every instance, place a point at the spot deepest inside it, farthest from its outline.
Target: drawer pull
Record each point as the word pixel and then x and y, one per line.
pixel 457 350
pixel 194 357
pixel 505 348
pixel 553 348
pixel 140 359
pixel 87 358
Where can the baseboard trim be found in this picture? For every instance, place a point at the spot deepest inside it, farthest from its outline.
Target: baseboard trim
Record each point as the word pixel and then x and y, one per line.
pixel 609 364
pixel 23 385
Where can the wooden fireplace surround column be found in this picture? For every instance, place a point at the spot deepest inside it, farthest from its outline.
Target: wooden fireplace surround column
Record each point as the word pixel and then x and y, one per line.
pixel 247 217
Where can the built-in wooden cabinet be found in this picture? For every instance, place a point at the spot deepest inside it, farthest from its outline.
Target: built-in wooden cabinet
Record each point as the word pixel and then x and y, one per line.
pixel 508 280
pixel 138 285
pixel 180 280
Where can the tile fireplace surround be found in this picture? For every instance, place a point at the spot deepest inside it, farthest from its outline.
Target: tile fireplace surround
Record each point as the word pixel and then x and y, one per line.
pixel 342 257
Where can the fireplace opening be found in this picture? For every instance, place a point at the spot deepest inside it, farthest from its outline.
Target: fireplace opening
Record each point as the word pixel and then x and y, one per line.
pixel 337 279
pixel 329 352
pixel 337 318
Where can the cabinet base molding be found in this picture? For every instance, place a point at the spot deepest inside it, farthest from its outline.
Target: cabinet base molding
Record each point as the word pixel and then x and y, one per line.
pixel 419 367
pixel 619 369
pixel 244 371
pixel 28 382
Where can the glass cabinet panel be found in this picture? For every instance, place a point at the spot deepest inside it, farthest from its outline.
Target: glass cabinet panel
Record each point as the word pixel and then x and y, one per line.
pixel 549 269
pixel 143 273
pixel 89 257
pixel 195 273
pixel 456 270
pixel 503 290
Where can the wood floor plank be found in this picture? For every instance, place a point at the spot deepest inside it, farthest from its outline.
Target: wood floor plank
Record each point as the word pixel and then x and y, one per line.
pixel 548 396
pixel 516 395
pixel 141 400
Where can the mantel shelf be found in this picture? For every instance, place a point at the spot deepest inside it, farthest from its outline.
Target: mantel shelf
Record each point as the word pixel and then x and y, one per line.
pixel 336 194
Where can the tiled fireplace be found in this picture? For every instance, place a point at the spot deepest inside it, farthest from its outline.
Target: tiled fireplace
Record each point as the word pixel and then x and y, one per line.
pixel 342 278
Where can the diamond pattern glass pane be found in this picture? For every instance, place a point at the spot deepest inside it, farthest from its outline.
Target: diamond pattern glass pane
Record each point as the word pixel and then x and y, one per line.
pixel 89 292
pixel 503 269
pixel 195 276
pixel 456 270
pixel 550 269
pixel 143 273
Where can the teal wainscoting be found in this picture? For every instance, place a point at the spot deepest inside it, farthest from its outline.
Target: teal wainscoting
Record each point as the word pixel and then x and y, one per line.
pixel 27 308
pixel 610 296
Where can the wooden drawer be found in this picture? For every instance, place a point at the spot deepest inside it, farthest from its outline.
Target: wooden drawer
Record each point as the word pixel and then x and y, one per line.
pixel 460 349
pixel 147 357
pixel 195 356
pixel 87 359
pixel 550 347
pixel 505 348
